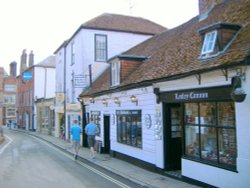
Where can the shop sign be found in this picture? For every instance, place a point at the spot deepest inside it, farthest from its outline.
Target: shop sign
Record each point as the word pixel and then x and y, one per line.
pixel 80 81
pixel 204 94
pixel 128 112
pixel 96 113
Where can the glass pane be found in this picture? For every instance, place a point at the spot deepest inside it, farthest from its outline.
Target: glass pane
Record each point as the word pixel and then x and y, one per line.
pixel 226 114
pixel 207 113
pixel 176 129
pixel 119 128
pixel 208 143
pixel 128 131
pixel 227 146
pixel 192 141
pixel 191 113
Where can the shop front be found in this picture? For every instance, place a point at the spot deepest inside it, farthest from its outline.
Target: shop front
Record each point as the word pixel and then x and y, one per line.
pixel 199 125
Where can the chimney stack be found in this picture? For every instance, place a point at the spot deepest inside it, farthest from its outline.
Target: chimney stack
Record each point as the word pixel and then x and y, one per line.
pixel 31 59
pixel 205 6
pixel 23 65
pixel 13 71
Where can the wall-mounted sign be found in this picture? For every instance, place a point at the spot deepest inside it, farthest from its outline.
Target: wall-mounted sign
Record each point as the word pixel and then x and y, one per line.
pixel 27 76
pixel 80 81
pixel 203 94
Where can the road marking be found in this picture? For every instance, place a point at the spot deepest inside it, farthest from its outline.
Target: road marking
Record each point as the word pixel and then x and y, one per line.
pixel 104 175
pixel 6 145
pixel 86 166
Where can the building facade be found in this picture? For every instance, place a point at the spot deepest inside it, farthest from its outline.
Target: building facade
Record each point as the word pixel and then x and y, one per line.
pixel 24 97
pixel 35 94
pixel 81 59
pixel 44 94
pixel 9 97
pixel 183 107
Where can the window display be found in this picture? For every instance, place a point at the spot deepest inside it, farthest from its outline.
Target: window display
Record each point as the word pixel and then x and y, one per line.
pixel 129 127
pixel 210 132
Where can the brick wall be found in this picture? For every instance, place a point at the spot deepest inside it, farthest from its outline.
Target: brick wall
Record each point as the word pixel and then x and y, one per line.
pixel 25 101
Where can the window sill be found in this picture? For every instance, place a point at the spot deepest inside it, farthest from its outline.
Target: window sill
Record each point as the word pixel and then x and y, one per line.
pixel 210 163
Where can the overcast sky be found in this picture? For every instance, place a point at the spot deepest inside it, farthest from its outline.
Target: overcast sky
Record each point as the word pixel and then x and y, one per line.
pixel 42 25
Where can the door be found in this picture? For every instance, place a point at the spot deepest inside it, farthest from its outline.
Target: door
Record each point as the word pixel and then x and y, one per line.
pixel 173 136
pixel 106 134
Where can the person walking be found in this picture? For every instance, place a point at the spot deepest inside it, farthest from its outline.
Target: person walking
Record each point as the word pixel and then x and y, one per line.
pixel 91 130
pixel 75 131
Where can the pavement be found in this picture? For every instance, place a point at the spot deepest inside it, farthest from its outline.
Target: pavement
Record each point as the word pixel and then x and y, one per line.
pixel 127 170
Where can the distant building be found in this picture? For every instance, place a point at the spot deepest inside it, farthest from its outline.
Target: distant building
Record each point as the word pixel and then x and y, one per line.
pixel 8 96
pixel 35 94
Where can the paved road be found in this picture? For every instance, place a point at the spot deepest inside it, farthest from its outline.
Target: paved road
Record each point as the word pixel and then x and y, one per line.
pixel 28 162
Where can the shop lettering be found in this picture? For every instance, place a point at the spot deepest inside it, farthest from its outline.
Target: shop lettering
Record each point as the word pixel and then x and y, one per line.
pixel 191 95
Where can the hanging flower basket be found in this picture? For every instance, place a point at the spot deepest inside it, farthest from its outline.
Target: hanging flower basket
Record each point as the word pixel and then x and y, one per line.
pixel 238 97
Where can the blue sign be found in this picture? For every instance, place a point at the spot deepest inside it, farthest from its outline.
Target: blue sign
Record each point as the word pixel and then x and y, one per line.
pixel 27 76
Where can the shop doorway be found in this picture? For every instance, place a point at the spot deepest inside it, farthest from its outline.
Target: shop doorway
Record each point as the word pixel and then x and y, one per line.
pixel 106 134
pixel 173 129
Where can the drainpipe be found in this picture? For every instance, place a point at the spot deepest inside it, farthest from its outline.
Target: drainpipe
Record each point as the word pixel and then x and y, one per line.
pixel 64 88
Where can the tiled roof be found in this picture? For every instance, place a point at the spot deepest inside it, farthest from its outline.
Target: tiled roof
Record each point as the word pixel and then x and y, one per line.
pixel 124 23
pixel 177 51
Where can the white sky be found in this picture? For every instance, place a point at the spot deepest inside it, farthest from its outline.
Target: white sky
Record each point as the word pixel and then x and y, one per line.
pixel 43 25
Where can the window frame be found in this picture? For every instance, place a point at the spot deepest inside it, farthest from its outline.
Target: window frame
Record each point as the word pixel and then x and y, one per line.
pixel 209 43
pixel 129 133
pixel 115 73
pixel 101 50
pixel 200 128
pixel 10 112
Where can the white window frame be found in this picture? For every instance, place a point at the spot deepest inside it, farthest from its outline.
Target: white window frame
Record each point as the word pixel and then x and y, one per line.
pixel 115 73
pixel 209 42
pixel 101 47
pixel 10 88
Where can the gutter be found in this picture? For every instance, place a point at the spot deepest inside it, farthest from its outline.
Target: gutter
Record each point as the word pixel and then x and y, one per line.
pixel 146 83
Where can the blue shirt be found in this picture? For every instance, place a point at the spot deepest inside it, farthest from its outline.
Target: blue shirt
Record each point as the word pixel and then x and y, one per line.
pixel 75 131
pixel 91 129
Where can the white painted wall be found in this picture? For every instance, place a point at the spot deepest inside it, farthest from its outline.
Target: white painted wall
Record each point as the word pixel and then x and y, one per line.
pixel 84 40
pixel 44 82
pixel 206 173
pixel 60 71
pixel 151 147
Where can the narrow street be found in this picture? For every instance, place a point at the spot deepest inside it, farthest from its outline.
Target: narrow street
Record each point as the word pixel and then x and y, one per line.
pixel 26 161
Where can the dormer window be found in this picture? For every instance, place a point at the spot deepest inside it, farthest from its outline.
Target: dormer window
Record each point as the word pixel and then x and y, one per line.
pixel 115 73
pixel 209 42
pixel 217 38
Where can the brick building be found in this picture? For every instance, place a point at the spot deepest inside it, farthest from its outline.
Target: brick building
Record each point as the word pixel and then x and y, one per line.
pixel 8 96
pixel 24 100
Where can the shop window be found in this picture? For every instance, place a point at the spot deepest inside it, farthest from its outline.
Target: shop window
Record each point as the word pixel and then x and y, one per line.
pixel 129 129
pixel 210 133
